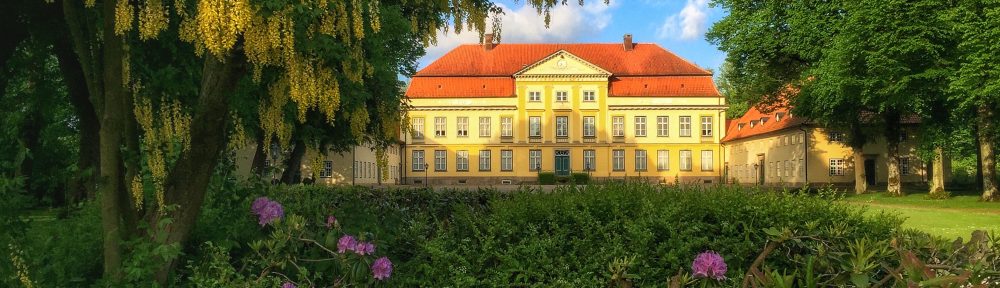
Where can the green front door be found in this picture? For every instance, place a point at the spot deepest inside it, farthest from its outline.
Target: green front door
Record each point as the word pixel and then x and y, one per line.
pixel 562 162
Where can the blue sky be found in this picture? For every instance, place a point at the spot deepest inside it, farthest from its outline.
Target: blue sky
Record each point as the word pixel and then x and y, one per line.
pixel 677 25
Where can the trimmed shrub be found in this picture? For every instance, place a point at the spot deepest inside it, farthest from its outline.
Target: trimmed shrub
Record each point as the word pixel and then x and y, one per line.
pixel 581 178
pixel 546 178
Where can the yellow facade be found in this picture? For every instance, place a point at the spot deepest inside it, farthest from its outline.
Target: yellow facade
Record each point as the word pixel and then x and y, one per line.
pixel 357 165
pixel 549 79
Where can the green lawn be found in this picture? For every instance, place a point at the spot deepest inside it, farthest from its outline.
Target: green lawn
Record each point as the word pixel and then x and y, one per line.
pixel 951 218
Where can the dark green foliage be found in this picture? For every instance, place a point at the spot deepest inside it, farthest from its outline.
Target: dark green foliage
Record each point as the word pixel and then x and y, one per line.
pixel 581 178
pixel 546 178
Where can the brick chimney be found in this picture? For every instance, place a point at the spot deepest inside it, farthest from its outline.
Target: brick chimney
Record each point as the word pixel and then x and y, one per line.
pixel 627 42
pixel 488 41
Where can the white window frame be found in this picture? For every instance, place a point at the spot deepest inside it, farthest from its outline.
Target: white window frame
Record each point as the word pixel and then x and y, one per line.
pixel 618 160
pixel 707 126
pixel 707 160
pixel 562 96
pixel 506 126
pixel 485 129
pixel 506 160
pixel 618 126
pixel 485 157
pixel 534 96
pixel 534 160
pixel 417 159
pixel 589 160
pixel 417 128
pixel 685 158
pixel 663 160
pixel 640 160
pixel 327 171
pixel 440 127
pixel 589 126
pixel 462 160
pixel 684 126
pixel 904 166
pixel 640 126
pixel 535 126
pixel 440 160
pixel 562 126
pixel 663 126
pixel 589 96
pixel 462 126
pixel 836 166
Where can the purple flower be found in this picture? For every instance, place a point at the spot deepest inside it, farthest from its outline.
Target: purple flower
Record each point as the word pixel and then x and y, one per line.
pixel 364 248
pixel 330 221
pixel 382 268
pixel 267 211
pixel 288 285
pixel 709 264
pixel 346 243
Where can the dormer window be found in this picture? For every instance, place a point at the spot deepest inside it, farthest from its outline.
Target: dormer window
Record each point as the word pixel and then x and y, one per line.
pixel 763 120
pixel 753 123
pixel 778 116
pixel 739 126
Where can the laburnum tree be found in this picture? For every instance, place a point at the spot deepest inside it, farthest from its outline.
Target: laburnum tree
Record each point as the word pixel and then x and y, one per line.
pixel 175 82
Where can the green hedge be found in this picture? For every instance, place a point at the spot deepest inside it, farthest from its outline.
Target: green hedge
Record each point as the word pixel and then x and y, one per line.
pixel 546 178
pixel 581 178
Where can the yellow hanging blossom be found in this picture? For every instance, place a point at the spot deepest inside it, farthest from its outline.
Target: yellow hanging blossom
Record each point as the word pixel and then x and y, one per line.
pixel 152 19
pixel 124 14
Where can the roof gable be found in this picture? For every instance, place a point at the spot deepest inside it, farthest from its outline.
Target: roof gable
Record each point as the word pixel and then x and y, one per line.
pixel 562 63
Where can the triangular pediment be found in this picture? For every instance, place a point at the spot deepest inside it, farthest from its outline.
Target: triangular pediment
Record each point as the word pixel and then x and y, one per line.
pixel 562 63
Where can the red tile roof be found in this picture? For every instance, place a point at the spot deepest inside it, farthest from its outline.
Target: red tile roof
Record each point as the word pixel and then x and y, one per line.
pixel 646 59
pixel 664 86
pixel 460 87
pixel 787 121
pixel 472 71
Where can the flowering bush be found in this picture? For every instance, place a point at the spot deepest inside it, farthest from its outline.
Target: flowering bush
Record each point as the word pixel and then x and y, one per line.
pixel 709 265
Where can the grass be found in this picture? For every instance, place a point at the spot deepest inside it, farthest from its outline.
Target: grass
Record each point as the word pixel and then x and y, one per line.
pixel 955 217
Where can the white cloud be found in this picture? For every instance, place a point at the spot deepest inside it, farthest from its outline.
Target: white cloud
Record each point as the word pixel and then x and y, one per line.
pixel 688 24
pixel 525 25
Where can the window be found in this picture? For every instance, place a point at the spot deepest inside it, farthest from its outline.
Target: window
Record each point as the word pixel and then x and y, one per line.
pixel 440 125
pixel 640 126
pixel 327 170
pixel 535 96
pixel 618 126
pixel 463 126
pixel 837 167
pixel 462 160
pixel 640 160
pixel 802 166
pixel 506 127
pixel 484 160
pixel 685 160
pixel 663 160
pixel 417 127
pixel 535 126
pixel 535 160
pixel 418 160
pixel 506 160
pixel 836 136
pixel 662 126
pixel 706 126
pixel 685 126
pixel 562 96
pixel 562 126
pixel 588 96
pixel 618 160
pixel 589 160
pixel 589 126
pixel 777 169
pixel 788 168
pixel 484 127
pixel 440 160
pixel 904 165
pixel 706 160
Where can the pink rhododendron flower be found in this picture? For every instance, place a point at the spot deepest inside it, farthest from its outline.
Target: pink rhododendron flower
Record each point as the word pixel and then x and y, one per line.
pixel 288 285
pixel 709 264
pixel 346 243
pixel 364 248
pixel 266 210
pixel 382 268
pixel 330 221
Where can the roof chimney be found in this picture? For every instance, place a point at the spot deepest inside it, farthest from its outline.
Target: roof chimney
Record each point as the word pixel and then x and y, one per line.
pixel 488 41
pixel 627 41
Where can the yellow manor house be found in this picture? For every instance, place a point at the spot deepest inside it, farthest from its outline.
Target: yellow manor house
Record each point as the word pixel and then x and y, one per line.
pixel 500 113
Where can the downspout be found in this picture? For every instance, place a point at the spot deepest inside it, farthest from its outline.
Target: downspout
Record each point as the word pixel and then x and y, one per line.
pixel 805 152
pixel 354 158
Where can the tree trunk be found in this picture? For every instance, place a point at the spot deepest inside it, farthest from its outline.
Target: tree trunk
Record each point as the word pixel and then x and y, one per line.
pixel 937 173
pixel 860 182
pixel 85 183
pixel 893 187
pixel 112 125
pixel 188 180
pixel 293 166
pixel 988 155
pixel 979 155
